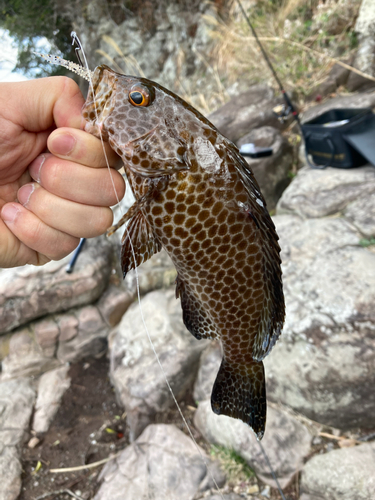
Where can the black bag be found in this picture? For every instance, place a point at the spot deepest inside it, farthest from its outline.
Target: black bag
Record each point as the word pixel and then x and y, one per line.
pixel 341 138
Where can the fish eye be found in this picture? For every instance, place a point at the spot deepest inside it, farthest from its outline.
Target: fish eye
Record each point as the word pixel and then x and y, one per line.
pixel 139 96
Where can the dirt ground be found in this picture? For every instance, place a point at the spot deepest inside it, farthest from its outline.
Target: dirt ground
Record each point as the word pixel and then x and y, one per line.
pixel 89 427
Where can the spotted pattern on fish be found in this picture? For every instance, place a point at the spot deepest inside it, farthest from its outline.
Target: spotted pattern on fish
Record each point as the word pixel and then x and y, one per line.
pixel 198 198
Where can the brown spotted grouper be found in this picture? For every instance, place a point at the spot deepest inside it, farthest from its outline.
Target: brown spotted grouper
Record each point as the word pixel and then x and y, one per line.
pixel 198 198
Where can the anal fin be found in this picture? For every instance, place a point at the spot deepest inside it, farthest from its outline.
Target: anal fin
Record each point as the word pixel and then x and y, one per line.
pixel 241 393
pixel 195 318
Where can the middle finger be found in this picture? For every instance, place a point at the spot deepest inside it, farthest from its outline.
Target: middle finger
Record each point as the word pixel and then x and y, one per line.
pixel 78 183
pixel 75 219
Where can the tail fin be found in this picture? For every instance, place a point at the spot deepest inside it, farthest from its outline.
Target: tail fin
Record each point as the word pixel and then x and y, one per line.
pixel 240 392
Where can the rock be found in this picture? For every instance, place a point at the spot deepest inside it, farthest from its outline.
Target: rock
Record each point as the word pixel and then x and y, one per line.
pixel 48 343
pixel 25 357
pixel 323 89
pixel 361 212
pixel 365 57
pixel 29 292
pixel 342 474
pixel 323 366
pixel 157 272
pixel 364 100
pixel 340 74
pixel 271 172
pixel 139 382
pixel 16 405
pixel 318 193
pixel 231 496
pixel 209 365
pixel 247 111
pixel 113 304
pixel 51 388
pixel 162 42
pixel 286 441
pixel 10 473
pixel 162 463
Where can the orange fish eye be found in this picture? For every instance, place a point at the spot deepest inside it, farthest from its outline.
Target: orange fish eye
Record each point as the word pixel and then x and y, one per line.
pixel 139 97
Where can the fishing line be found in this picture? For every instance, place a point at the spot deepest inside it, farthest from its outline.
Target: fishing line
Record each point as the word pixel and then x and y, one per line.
pixel 272 471
pixel 76 40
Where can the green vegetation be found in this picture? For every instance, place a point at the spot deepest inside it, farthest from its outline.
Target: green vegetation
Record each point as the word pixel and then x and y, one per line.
pixel 233 464
pixel 301 38
pixel 367 242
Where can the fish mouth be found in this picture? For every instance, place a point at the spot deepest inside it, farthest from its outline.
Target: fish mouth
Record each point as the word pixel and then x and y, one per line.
pixel 100 101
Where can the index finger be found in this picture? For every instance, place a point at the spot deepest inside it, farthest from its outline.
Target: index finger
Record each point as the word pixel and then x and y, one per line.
pixel 81 147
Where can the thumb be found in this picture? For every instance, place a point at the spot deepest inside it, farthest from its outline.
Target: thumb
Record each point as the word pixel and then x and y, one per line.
pixel 37 105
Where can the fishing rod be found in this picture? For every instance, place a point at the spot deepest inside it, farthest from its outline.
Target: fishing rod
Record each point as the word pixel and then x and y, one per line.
pixel 290 107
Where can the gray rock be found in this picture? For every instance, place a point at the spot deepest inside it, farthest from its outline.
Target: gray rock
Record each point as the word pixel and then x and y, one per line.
pixel 25 357
pixel 231 496
pixel 157 272
pixel 323 89
pixel 271 172
pixel 361 212
pixel 286 441
pixel 364 100
pixel 29 292
pixel 342 474
pixel 51 388
pixel 247 111
pixel 340 74
pixel 139 382
pixel 16 405
pixel 209 365
pixel 318 193
pixel 162 463
pixel 10 473
pixel 365 57
pixel 323 364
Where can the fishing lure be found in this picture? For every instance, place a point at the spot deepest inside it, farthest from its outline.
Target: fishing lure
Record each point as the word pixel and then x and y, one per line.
pixel 198 198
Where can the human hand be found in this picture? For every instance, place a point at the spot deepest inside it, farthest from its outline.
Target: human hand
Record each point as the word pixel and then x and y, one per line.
pixel 70 198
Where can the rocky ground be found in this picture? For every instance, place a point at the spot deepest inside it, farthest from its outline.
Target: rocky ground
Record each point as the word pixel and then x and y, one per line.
pixel 80 383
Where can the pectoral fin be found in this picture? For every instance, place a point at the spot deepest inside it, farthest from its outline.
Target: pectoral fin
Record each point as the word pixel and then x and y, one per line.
pixel 138 242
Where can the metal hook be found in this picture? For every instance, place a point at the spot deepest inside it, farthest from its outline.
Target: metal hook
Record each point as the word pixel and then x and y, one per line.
pixel 77 41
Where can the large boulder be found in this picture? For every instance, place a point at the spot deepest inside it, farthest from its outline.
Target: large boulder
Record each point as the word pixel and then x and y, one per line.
pixel 318 193
pixel 286 441
pixel 247 111
pixel 139 381
pixel 271 172
pixel 342 474
pixel 162 463
pixel 48 343
pixel 323 365
pixel 29 292
pixel 16 405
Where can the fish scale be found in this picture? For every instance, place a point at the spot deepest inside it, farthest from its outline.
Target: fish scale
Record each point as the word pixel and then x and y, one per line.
pixel 198 198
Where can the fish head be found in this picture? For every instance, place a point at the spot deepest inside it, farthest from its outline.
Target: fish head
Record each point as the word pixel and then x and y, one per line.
pixel 117 105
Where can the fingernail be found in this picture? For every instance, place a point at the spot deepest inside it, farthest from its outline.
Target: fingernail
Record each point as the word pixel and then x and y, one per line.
pixel 62 144
pixel 36 166
pixel 24 193
pixel 9 212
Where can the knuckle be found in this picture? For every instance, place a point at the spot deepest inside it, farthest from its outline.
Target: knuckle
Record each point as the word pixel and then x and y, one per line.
pixel 102 221
pixel 52 176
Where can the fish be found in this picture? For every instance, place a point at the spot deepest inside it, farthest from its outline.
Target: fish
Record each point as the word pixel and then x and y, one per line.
pixel 197 197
